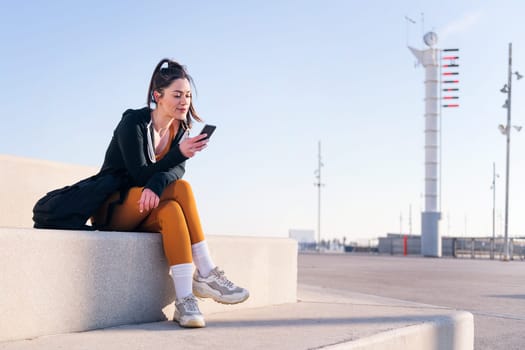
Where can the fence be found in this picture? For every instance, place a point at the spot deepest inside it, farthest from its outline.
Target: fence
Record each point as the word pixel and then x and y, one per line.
pixel 459 247
pixel 488 248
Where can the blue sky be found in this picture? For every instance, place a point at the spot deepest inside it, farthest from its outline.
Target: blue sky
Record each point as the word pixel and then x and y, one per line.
pixel 277 77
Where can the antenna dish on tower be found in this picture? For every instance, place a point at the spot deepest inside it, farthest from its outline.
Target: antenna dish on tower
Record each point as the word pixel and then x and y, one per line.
pixel 430 39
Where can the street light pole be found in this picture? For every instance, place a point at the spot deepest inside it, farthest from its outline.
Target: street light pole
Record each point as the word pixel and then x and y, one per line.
pixel 508 129
pixel 493 245
pixel 318 183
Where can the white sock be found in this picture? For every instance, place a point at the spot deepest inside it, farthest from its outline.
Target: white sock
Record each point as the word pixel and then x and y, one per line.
pixel 182 275
pixel 202 258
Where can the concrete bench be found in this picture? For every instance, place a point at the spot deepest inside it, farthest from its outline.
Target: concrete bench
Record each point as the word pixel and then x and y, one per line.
pixel 54 281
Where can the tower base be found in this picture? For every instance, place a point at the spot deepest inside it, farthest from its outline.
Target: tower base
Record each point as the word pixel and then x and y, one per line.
pixel 430 237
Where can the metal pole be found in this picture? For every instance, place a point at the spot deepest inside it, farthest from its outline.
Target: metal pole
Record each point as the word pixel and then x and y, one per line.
pixel 319 165
pixel 410 219
pixel 509 94
pixel 492 246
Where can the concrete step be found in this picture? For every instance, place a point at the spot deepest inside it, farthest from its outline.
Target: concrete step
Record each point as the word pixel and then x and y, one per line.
pixel 322 318
pixel 70 281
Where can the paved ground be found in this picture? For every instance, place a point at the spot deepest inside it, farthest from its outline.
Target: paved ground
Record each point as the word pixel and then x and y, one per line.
pixel 493 291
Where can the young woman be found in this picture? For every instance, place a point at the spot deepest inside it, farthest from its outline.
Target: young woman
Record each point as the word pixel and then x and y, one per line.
pixel 150 146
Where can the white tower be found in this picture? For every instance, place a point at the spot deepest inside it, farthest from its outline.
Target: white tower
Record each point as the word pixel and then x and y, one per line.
pixel 429 58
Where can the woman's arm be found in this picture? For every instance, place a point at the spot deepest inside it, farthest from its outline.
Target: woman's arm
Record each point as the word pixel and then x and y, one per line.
pixel 158 182
pixel 150 197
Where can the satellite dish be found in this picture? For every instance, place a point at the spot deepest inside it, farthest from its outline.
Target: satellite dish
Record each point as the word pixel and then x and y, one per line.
pixel 430 39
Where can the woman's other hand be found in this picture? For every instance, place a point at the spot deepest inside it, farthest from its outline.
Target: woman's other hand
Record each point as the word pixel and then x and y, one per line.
pixel 191 145
pixel 148 200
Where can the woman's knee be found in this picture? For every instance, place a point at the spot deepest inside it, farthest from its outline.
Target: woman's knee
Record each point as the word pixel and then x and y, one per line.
pixel 169 209
pixel 177 188
pixel 183 186
pixel 162 218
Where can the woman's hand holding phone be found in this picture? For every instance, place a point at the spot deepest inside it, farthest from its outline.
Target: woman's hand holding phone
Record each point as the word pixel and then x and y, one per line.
pixel 191 145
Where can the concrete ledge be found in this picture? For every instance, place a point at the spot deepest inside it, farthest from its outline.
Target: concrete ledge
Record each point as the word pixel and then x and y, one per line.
pixel 25 180
pixel 56 282
pixel 379 323
pixel 454 331
pixel 69 281
pixel 322 319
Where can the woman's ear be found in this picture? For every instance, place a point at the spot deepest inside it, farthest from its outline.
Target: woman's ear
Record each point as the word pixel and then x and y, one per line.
pixel 156 96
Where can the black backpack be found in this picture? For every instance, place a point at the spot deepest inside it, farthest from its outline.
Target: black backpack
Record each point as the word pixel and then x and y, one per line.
pixel 69 208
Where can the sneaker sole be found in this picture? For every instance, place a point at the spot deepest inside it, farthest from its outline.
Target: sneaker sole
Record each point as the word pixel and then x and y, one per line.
pixel 200 292
pixel 190 322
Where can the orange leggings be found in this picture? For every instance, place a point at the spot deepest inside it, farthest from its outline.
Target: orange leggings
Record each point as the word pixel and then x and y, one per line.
pixel 176 218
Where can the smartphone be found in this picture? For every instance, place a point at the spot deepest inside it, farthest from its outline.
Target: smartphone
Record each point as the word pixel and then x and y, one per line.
pixel 208 130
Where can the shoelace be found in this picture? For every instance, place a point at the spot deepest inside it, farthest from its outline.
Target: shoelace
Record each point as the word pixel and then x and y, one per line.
pixel 222 279
pixel 190 303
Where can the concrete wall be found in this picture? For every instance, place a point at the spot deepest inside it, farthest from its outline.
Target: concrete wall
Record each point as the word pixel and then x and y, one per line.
pixel 58 281
pixel 26 180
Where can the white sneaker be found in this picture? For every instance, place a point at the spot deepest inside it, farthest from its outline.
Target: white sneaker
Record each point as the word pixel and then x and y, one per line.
pixel 187 313
pixel 218 287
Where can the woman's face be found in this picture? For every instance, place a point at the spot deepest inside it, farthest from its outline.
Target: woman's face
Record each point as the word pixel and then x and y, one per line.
pixel 176 99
